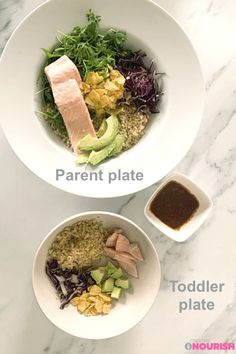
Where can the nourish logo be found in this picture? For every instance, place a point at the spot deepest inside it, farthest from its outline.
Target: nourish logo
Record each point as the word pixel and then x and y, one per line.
pixel 209 346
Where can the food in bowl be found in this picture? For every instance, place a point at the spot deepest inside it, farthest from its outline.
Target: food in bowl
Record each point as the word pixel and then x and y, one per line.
pixel 89 265
pixel 133 304
pixel 98 95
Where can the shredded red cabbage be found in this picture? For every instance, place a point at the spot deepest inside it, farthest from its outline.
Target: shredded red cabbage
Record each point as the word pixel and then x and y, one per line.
pixel 141 82
pixel 68 283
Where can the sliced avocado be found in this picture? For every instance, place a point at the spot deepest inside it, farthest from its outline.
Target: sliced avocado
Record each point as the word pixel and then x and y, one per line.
pixel 110 268
pixel 116 293
pixel 98 275
pixel 122 283
pixel 102 129
pixel 119 145
pixel 89 143
pixel 82 158
pixel 108 285
pixel 98 156
pixel 118 274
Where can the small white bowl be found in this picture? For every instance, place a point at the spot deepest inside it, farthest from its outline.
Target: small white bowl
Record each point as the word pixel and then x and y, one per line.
pixel 127 312
pixel 191 226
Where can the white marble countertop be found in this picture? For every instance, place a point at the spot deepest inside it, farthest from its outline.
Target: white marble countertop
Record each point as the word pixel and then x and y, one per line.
pixel 31 207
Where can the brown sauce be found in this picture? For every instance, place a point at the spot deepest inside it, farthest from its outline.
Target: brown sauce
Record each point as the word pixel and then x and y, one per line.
pixel 174 205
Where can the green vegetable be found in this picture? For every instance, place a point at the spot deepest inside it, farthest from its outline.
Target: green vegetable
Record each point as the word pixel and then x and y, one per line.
pixel 108 285
pixel 98 156
pixel 98 274
pixel 117 274
pixel 82 158
pixel 119 145
pixel 122 283
pixel 102 128
pixel 116 293
pixel 111 279
pixel 89 143
pixel 110 268
pixel 91 50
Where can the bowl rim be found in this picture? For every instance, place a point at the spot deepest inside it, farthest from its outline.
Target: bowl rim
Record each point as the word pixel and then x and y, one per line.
pixel 95 213
pixel 160 225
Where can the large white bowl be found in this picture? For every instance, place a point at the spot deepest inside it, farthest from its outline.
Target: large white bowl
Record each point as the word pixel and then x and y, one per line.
pixel 127 312
pixel 171 132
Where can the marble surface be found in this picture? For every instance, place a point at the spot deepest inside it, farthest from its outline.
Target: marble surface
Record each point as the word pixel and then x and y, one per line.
pixel 30 207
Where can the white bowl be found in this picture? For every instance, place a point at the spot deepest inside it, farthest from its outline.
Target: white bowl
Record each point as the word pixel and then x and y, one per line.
pixel 127 312
pixel 188 229
pixel 170 133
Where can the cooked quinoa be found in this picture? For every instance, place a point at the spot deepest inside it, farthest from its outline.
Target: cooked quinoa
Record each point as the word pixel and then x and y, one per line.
pixel 132 125
pixel 79 245
pixel 55 120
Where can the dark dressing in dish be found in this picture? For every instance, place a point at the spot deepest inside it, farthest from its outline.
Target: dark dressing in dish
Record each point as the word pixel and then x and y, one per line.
pixel 174 205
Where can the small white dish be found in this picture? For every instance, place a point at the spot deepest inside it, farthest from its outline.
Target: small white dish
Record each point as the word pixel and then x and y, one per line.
pixel 127 312
pixel 191 226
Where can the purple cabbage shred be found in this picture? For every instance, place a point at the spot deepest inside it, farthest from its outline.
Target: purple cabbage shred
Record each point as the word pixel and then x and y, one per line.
pixel 140 81
pixel 68 283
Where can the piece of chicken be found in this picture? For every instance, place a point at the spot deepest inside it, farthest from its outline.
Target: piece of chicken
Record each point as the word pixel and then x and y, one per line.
pixel 111 240
pixel 122 243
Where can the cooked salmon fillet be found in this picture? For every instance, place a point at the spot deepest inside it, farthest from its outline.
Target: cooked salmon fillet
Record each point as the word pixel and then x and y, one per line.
pixel 61 70
pixel 64 79
pixel 74 111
